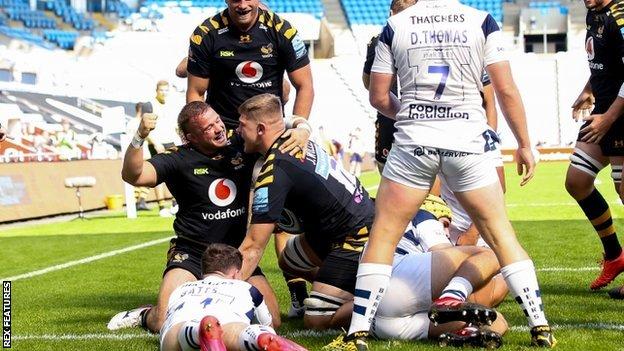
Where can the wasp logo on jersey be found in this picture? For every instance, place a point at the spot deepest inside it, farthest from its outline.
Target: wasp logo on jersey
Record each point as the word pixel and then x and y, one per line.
pixel 267 51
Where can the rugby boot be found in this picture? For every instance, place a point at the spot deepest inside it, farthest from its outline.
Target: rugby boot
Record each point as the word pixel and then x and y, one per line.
pixel 610 270
pixel 129 319
pixel 471 336
pixel 211 335
pixel 617 293
pixel 447 309
pixel 351 342
pixel 542 336
pixel 272 342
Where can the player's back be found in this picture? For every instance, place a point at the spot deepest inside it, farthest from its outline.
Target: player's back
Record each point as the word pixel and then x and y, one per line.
pixel 439 49
pixel 213 293
pixel 330 201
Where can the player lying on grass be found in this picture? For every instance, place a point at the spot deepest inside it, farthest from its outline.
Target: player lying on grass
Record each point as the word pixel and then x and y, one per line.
pixel 428 267
pixel 215 313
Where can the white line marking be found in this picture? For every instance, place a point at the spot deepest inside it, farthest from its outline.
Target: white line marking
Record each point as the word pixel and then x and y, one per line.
pixel 548 204
pixel 292 335
pixel 85 260
pixel 590 326
pixel 568 269
pixel 84 336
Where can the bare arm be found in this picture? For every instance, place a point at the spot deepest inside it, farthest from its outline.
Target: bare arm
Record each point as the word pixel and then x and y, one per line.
pixel 380 95
pixel 2 133
pixel 489 104
pixel 181 71
pixel 135 170
pixel 366 80
pixel 196 88
pixel 301 79
pixel 511 104
pixel 583 102
pixel 253 246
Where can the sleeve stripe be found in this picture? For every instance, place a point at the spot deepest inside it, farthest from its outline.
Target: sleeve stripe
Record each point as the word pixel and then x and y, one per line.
pixel 214 23
pixel 279 26
pixel 620 22
pixel 387 35
pixel 290 32
pixel 265 181
pixel 265 171
pixel 489 26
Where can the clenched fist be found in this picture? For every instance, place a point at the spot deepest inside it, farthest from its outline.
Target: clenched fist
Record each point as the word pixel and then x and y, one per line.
pixel 148 123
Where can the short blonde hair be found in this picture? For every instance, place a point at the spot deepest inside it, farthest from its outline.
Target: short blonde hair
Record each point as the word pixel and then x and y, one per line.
pixel 264 107
pixel 161 83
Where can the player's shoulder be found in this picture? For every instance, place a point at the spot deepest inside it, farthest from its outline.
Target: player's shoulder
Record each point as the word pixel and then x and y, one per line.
pixel 276 23
pixel 617 12
pixel 373 40
pixel 212 25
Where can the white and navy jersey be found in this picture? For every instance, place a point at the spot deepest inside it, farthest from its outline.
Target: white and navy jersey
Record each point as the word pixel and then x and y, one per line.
pixel 227 299
pixel 439 50
pixel 422 233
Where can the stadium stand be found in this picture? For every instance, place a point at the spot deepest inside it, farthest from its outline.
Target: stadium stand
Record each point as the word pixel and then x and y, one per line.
pixel 313 7
pixel 376 11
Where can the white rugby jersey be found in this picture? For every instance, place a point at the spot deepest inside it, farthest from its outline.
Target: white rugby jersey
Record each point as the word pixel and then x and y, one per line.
pixel 439 49
pixel 233 296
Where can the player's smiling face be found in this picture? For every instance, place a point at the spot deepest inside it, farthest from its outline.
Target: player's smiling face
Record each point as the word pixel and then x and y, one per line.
pixel 243 12
pixel 207 131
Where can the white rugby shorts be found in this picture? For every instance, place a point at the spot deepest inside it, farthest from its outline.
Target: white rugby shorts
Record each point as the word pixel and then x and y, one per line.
pixel 417 167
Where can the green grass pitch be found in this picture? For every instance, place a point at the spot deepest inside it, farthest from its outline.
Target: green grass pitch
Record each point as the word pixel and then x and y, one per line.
pixel 68 309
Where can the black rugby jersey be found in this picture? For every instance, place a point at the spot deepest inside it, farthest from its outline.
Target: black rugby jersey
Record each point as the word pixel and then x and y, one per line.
pixel 244 64
pixel 212 191
pixel 604 44
pixel 330 202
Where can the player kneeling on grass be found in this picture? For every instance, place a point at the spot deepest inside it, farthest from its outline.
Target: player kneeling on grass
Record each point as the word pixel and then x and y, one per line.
pixel 214 314
pixel 427 268
pixel 335 210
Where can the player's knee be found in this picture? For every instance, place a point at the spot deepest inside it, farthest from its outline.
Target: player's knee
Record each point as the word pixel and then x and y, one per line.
pixel 320 308
pixel 293 258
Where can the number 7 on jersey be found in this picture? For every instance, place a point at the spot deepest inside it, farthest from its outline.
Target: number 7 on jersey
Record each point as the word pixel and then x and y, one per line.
pixel 444 71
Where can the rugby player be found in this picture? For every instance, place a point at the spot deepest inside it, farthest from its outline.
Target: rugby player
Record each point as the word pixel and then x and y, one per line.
pixel 211 178
pixel 242 52
pixel 601 138
pixel 334 209
pixel 419 277
pixel 439 49
pixel 215 313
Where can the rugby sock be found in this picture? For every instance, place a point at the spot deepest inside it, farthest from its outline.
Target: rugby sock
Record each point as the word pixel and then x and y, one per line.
pixel 143 316
pixel 370 287
pixel 597 211
pixel 297 288
pixel 188 336
pixel 248 338
pixel 459 288
pixel 522 281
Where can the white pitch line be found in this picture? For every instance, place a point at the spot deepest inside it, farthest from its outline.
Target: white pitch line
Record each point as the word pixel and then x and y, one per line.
pixel 293 334
pixel 85 260
pixel 589 326
pixel 84 336
pixel 568 269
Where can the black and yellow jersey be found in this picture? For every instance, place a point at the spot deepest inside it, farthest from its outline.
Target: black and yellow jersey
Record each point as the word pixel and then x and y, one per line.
pixel 604 44
pixel 211 190
pixel 239 64
pixel 330 202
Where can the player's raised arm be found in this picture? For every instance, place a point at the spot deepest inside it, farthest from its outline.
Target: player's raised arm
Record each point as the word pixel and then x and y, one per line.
pixel 135 170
